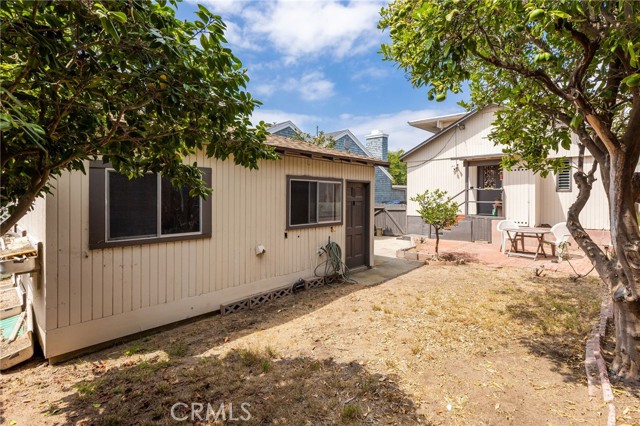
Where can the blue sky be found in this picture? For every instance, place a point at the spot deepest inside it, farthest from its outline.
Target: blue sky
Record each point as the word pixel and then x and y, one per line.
pixel 316 63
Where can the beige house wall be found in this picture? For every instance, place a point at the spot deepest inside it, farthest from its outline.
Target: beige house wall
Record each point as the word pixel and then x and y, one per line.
pixel 93 296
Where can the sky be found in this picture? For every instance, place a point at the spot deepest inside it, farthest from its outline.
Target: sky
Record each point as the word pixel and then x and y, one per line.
pixel 317 64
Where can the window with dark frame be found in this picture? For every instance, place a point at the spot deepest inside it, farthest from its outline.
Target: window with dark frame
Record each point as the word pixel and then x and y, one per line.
pixel 563 177
pixel 314 202
pixel 148 209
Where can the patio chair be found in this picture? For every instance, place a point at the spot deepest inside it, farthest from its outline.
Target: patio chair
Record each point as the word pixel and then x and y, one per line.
pixel 561 234
pixel 502 226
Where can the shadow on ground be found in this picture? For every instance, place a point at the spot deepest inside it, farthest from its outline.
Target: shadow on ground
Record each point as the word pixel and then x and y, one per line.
pixel 254 387
pixel 559 315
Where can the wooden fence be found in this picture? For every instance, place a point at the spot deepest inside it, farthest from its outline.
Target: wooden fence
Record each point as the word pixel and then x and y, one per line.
pixel 391 218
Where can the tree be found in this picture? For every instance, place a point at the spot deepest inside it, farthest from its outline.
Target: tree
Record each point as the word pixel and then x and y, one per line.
pixel 321 139
pixel 397 168
pixel 124 80
pixel 438 210
pixel 557 67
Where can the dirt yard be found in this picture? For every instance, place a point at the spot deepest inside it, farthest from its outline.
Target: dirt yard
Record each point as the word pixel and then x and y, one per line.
pixel 441 345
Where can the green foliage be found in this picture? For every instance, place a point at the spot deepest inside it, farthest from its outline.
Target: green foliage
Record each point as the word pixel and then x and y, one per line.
pixel 437 209
pixel 397 168
pixel 552 65
pixel 321 139
pixel 125 80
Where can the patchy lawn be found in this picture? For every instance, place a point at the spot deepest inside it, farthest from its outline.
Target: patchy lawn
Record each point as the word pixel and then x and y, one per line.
pixel 441 345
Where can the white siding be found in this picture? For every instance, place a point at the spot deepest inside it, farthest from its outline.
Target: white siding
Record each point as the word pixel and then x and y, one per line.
pixel 530 199
pixel 35 224
pixel 434 165
pixel 554 205
pixel 98 295
pixel 520 196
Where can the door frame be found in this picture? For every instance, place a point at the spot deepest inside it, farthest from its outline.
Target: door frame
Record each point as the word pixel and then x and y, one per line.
pixel 367 239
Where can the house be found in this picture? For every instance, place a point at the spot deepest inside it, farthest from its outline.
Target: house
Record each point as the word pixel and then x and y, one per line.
pixel 121 257
pixel 460 159
pixel 377 146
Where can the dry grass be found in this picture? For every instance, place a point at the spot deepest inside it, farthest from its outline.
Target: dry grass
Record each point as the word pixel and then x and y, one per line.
pixel 464 345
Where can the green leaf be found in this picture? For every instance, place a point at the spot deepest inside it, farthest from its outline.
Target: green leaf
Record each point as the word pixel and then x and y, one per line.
pixel 632 80
pixel 535 14
pixel 560 14
pixel 576 121
pixel 204 41
pixel 110 28
pixel 451 14
pixel 118 16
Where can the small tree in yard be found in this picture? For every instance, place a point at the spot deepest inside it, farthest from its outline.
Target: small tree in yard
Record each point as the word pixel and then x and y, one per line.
pixel 437 210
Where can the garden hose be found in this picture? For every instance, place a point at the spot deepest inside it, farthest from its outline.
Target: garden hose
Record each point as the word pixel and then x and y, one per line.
pixel 333 264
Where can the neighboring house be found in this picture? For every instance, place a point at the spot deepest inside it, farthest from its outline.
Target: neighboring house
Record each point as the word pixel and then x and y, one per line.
pixel 460 159
pixel 377 147
pixel 121 256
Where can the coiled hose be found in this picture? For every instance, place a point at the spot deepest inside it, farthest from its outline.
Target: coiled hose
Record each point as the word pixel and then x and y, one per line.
pixel 334 265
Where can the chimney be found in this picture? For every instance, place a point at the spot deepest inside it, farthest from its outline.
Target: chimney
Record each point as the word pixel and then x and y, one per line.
pixel 378 144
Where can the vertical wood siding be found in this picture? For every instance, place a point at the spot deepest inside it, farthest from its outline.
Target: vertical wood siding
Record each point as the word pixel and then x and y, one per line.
pixel 96 295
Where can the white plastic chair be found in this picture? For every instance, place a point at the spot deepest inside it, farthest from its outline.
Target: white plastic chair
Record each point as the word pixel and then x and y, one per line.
pixel 502 226
pixel 561 234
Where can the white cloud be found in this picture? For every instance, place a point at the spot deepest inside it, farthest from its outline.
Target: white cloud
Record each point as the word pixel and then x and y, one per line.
pixel 314 87
pixel 265 89
pixel 401 135
pixel 302 29
pixel 311 86
pixel 276 116
pixel 222 6
pixel 369 73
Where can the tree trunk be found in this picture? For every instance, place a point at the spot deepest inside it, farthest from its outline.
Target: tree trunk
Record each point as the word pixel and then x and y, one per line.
pixel 622 272
pixel 25 203
pixel 625 237
pixel 437 240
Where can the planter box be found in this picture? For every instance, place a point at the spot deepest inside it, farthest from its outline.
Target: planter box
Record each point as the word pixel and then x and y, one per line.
pixel 19 265
pixel 11 301
pixel 21 349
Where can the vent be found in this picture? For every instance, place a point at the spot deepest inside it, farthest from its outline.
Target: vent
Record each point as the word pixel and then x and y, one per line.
pixel 563 178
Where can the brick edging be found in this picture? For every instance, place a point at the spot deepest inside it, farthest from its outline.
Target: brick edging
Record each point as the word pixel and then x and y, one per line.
pixel 594 364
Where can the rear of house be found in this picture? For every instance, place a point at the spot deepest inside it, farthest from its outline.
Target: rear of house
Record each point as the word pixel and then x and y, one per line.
pixel 460 159
pixel 121 257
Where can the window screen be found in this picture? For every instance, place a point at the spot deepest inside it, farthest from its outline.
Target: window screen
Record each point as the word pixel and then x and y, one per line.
pixel 313 202
pixel 132 206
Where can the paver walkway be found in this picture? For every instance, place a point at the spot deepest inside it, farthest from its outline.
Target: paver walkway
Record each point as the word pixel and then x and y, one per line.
pixel 490 254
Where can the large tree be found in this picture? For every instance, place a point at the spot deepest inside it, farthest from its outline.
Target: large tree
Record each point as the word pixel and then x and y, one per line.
pixel 124 80
pixel 557 66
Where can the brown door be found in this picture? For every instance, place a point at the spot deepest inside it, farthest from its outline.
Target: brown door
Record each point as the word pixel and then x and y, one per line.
pixel 357 227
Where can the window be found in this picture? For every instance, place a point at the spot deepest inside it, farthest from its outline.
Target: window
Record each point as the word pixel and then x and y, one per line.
pixel 143 210
pixel 563 178
pixel 313 202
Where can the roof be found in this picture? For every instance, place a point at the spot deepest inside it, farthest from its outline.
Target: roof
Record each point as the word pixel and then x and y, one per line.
pixel 431 124
pixel 346 132
pixel 462 119
pixel 287 146
pixel 279 126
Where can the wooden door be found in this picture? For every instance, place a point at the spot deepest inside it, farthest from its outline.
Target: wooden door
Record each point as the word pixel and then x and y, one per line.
pixel 357 225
